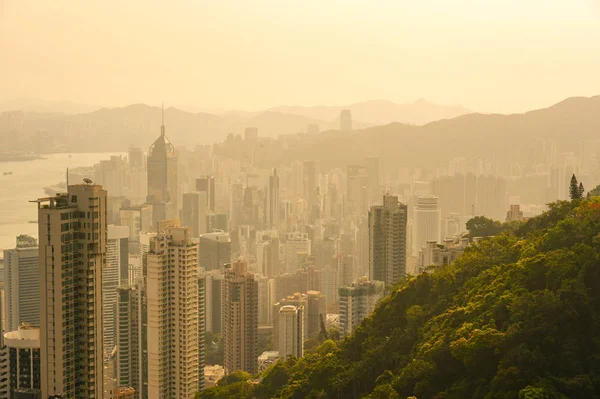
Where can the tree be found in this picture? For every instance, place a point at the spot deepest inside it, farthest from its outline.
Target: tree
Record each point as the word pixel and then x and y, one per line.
pixel 574 189
pixel 480 226
pixel 581 190
pixel 594 192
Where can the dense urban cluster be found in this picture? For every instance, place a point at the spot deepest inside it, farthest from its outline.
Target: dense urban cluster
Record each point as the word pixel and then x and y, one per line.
pixel 163 273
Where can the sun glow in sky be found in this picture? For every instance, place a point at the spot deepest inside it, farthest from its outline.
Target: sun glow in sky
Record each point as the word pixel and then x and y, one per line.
pixel 488 55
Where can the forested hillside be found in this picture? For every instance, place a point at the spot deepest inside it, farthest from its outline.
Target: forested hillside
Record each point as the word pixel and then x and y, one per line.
pixel 515 317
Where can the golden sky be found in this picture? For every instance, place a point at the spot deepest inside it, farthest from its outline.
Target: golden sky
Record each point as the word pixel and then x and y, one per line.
pixel 488 55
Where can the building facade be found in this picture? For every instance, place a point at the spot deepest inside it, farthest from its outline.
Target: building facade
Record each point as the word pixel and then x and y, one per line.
pixel 172 306
pixel 387 240
pixel 72 253
pixel 240 319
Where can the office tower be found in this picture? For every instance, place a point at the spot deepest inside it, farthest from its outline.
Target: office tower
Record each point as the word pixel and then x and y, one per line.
pixel 201 330
pixel 291 331
pixel 240 319
pixel 194 210
pixel 137 218
pixel 273 201
pixel 172 301
pixel 427 225
pixel 309 182
pixel 23 359
pixel 214 250
pixel 114 274
pixel 162 178
pixel 387 240
pixel 346 120
pixel 315 312
pixel 237 205
pixel 22 284
pixel 267 257
pixel 213 301
pixel 358 301
pixel 207 185
pixel 296 243
pixel 357 192
pixel 127 325
pixel 72 242
pixel 372 166
pixel 135 157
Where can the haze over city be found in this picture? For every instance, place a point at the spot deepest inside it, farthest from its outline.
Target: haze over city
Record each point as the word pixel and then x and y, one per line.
pixel 489 56
pixel 300 199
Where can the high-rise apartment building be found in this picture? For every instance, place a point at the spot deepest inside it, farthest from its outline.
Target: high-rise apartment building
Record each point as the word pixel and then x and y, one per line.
pixel 114 274
pixel 22 284
pixel 428 220
pixel 358 301
pixel 201 330
pixel 72 252
pixel 172 306
pixel 162 178
pixel 387 240
pixel 128 317
pixel 194 210
pixel 240 319
pixel 273 201
pixel 291 331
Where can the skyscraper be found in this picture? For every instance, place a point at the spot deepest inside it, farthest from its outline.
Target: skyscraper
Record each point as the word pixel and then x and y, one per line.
pixel 273 201
pixel 22 284
pixel 240 319
pixel 72 242
pixel 214 250
pixel 172 300
pixel 291 331
pixel 346 120
pixel 428 220
pixel 194 210
pixel 162 178
pixel 128 337
pixel 114 274
pixel 206 184
pixel 387 240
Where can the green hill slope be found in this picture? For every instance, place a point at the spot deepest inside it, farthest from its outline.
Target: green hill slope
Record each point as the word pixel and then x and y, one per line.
pixel 515 317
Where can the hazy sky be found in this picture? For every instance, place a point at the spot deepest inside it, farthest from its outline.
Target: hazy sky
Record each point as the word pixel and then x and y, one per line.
pixel 489 55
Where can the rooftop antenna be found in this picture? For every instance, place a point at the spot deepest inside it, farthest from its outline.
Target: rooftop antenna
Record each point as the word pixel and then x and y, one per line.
pixel 162 127
pixel 67 177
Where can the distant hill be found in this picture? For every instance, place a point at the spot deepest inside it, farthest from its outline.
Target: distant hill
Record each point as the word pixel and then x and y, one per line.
pixel 381 112
pixel 110 129
pixel 503 138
